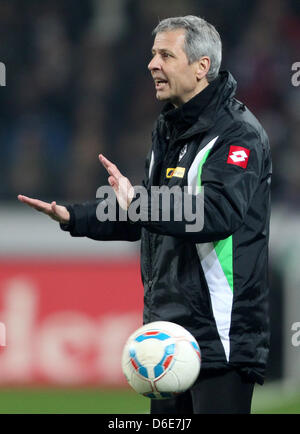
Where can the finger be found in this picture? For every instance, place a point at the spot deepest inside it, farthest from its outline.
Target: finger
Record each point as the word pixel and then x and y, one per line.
pixel 104 161
pixel 35 203
pixel 23 198
pixel 28 200
pixel 114 171
pixel 110 167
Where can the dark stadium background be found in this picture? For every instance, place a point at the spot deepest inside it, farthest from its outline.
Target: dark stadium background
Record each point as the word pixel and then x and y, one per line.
pixel 77 85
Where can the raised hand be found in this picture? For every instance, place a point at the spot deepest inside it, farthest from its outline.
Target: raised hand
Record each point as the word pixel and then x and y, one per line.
pixel 121 185
pixel 56 212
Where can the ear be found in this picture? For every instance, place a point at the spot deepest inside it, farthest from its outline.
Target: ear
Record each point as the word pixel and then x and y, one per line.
pixel 203 66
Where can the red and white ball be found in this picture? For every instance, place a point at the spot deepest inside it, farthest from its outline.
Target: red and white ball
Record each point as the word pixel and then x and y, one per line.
pixel 161 359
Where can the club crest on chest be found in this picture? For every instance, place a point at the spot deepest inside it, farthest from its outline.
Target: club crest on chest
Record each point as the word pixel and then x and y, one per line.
pixel 182 152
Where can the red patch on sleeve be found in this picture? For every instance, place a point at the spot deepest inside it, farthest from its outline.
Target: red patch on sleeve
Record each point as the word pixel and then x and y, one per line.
pixel 238 156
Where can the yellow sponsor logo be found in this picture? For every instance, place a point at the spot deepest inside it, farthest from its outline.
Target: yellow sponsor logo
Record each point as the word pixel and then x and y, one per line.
pixel 170 172
pixel 178 172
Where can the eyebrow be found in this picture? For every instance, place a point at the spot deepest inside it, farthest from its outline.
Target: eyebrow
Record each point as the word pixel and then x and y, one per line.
pixel 162 50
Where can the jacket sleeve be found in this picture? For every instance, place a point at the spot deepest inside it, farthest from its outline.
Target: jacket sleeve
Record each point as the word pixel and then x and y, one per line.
pixel 85 223
pixel 227 187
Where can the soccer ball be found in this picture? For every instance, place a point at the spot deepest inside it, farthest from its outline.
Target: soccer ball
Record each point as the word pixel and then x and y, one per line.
pixel 161 360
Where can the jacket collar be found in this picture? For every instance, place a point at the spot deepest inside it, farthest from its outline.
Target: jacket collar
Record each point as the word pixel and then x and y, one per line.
pixel 187 115
pixel 199 113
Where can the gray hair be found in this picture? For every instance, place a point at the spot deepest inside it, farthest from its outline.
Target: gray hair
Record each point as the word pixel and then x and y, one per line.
pixel 201 39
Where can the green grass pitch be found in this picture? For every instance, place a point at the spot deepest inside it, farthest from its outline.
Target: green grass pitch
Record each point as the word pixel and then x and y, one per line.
pixel 102 401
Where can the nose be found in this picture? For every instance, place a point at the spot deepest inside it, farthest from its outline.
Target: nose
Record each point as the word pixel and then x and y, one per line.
pixel 154 63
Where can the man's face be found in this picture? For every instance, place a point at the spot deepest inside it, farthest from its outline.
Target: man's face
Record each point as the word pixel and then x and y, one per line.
pixel 175 80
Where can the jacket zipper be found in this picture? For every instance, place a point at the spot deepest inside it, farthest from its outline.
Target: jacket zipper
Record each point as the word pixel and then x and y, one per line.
pixel 150 281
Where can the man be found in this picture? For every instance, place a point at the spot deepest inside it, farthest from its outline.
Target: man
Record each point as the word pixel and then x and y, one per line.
pixel 212 281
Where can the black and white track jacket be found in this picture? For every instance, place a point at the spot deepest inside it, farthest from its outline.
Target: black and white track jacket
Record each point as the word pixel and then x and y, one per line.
pixel 213 281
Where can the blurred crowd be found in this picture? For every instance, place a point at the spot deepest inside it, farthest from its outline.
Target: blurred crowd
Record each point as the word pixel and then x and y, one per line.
pixel 77 85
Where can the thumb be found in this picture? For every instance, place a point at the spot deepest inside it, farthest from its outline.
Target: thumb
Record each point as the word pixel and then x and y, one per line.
pixel 59 213
pixel 55 209
pixel 53 206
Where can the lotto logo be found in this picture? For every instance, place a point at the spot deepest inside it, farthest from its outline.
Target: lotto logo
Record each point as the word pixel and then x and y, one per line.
pixel 238 156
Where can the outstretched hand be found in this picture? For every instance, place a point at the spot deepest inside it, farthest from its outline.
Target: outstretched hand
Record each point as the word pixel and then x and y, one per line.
pixel 56 212
pixel 120 184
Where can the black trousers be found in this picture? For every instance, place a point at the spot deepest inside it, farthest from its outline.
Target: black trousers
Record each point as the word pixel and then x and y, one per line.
pixel 213 393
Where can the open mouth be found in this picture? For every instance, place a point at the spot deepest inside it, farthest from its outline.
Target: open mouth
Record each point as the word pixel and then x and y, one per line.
pixel 160 83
